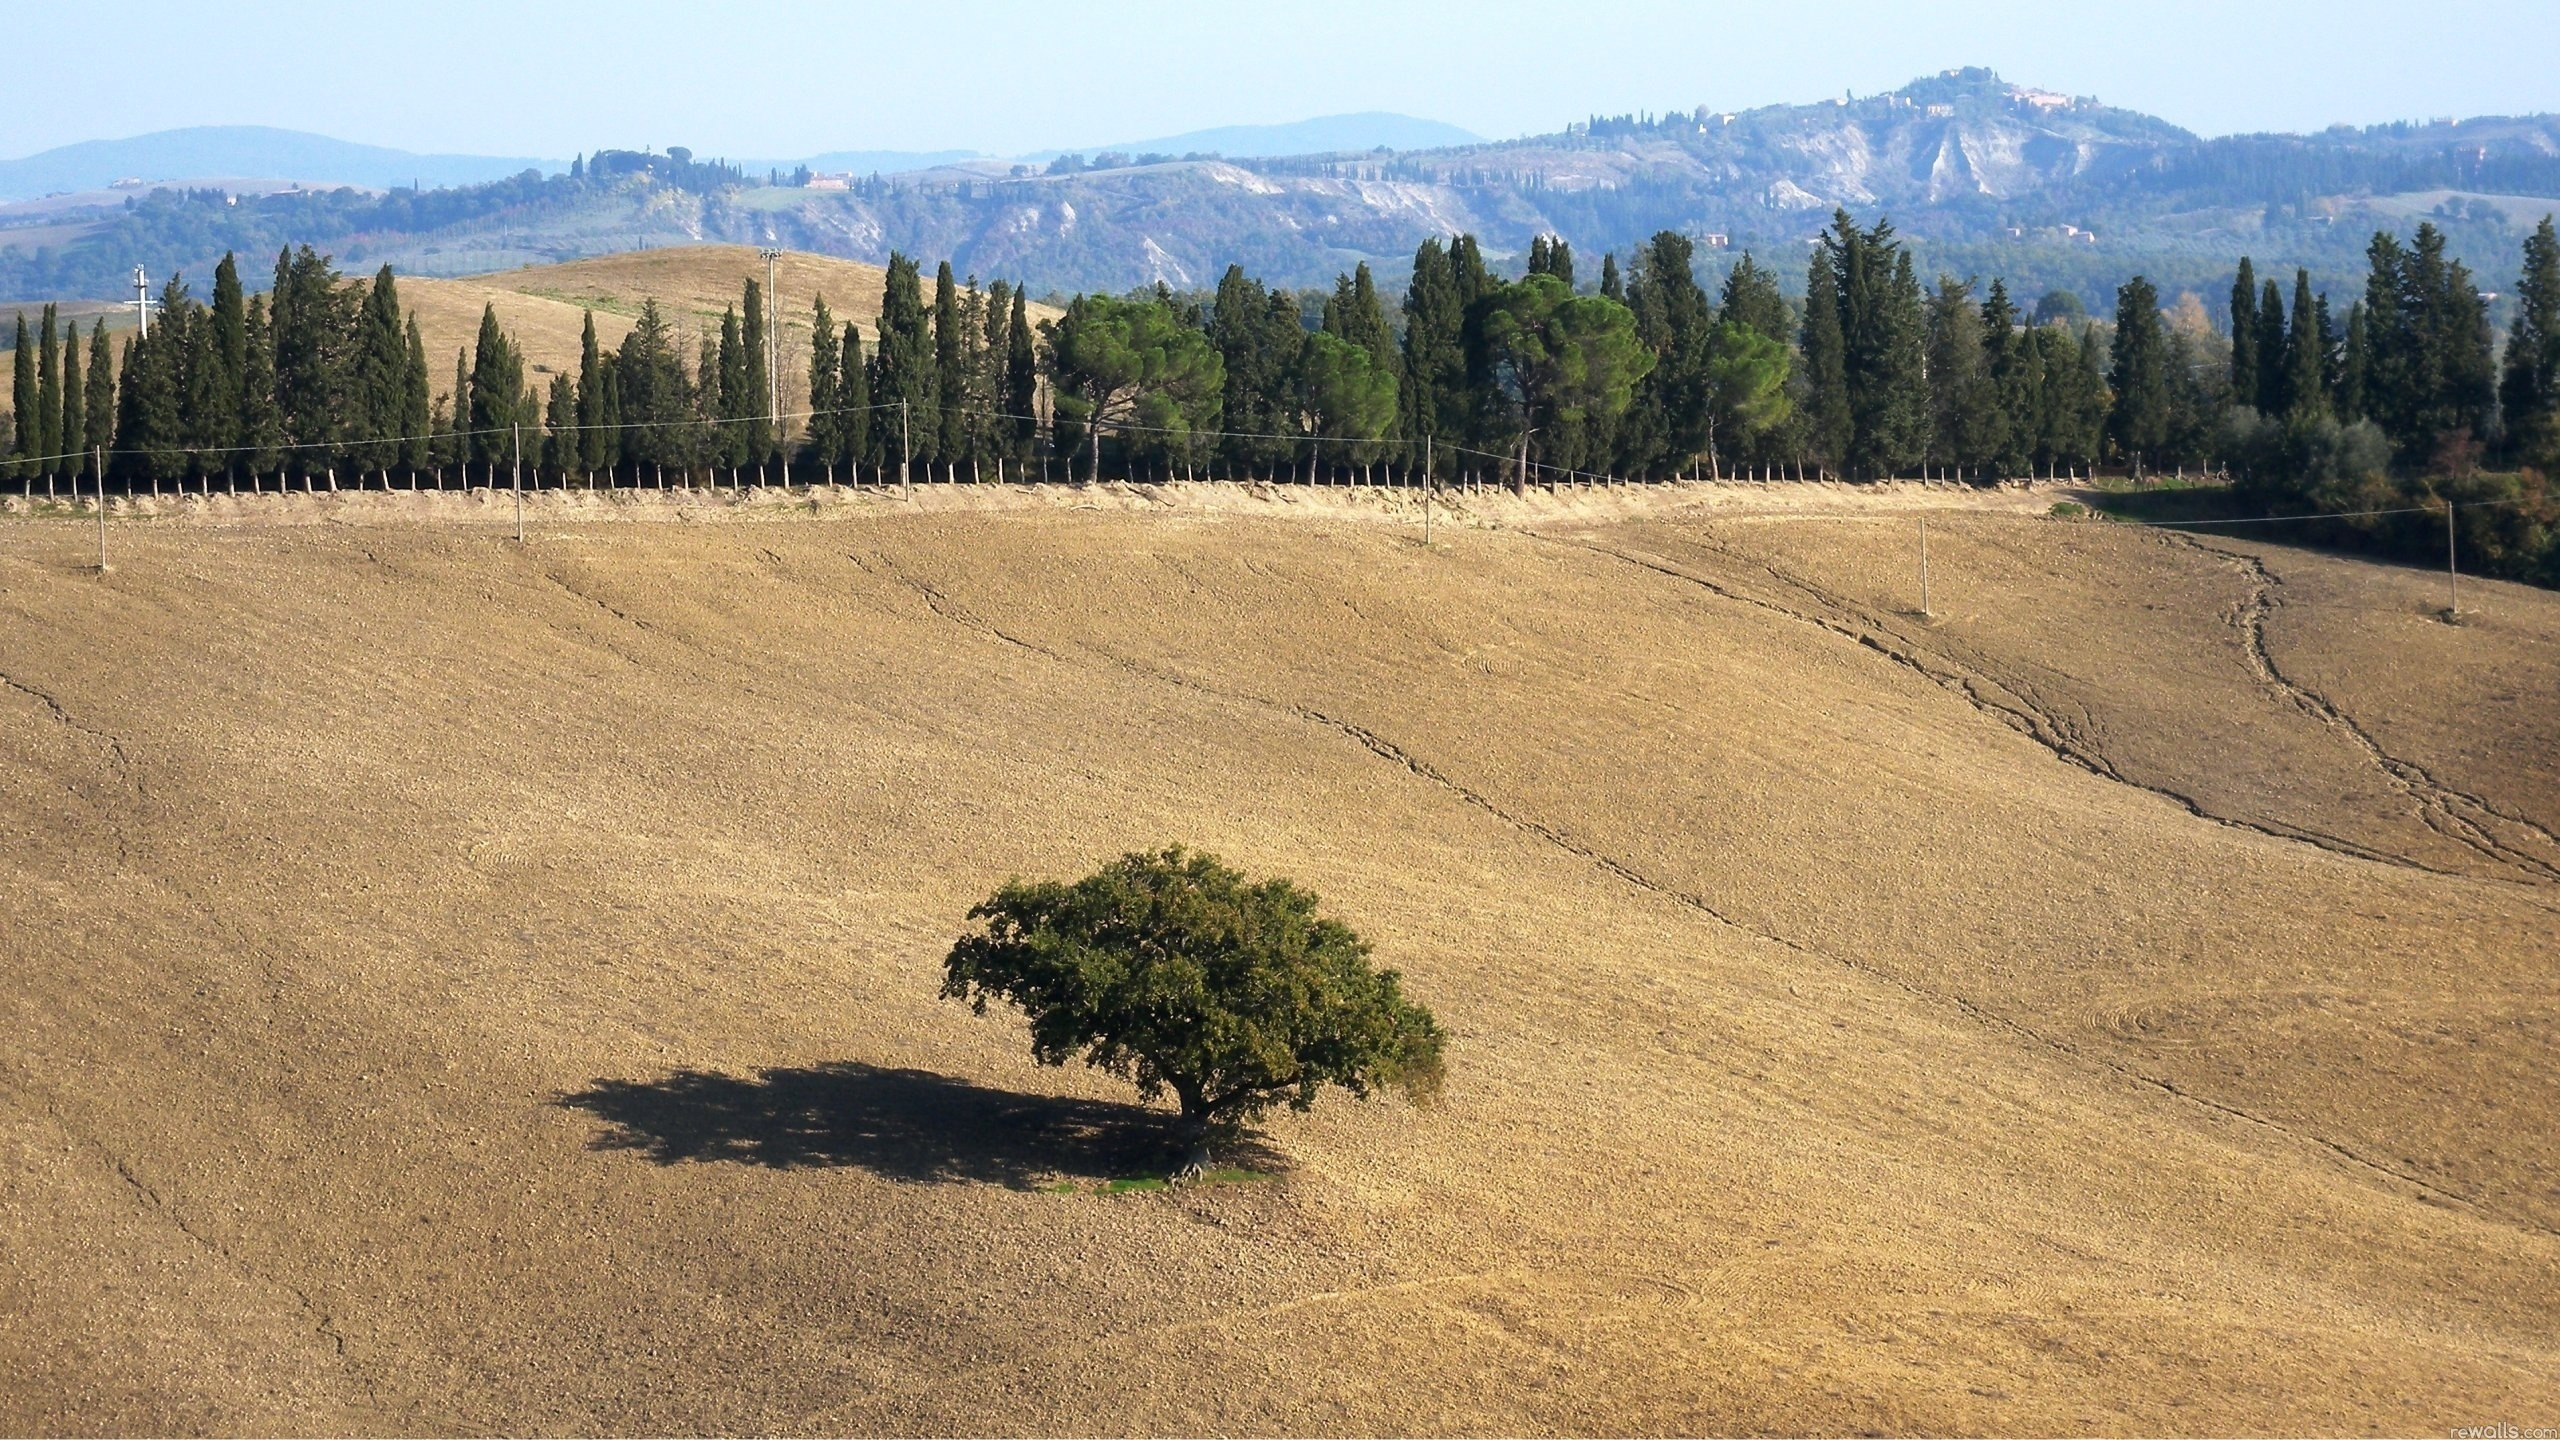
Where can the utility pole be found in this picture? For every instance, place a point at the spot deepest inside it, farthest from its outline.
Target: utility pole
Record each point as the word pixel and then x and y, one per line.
pixel 2452 581
pixel 773 358
pixel 1924 567
pixel 1426 492
pixel 519 481
pixel 100 456
pixel 906 451
pixel 142 299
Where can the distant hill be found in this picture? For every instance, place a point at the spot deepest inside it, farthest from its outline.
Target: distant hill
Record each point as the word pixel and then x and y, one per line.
pixel 1326 134
pixel 1984 176
pixel 248 152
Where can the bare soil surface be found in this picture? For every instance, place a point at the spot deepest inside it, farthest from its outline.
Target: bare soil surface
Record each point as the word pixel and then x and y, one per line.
pixel 459 986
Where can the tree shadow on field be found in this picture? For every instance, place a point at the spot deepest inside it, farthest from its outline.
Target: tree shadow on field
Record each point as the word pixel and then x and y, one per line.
pixel 900 1124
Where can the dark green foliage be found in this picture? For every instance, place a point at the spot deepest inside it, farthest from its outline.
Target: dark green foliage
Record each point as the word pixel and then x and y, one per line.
pixel 560 427
pixel 1258 338
pixel 47 411
pixel 416 415
pixel 22 398
pixel 2244 334
pixel 2355 351
pixel 756 443
pixel 2429 377
pixel 496 404
pixel 652 395
pixel 1021 396
pixel 312 318
pixel 1347 395
pixel 261 432
pixel 381 380
pixel 825 446
pixel 949 416
pixel 597 445
pixel 2143 417
pixel 725 377
pixel 2271 341
pixel 1557 359
pixel 1883 335
pixel 1967 425
pixel 856 422
pixel 2529 390
pixel 71 424
pixel 1137 368
pixel 1828 423
pixel 1178 974
pixel 1435 355
pixel 1669 422
pixel 902 366
pixel 2306 355
pixel 100 424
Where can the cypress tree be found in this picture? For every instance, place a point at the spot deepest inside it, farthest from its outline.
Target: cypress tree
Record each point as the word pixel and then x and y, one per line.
pixel 853 399
pixel 724 373
pixel 1434 359
pixel 261 428
pixel 458 409
pixel 1537 255
pixel 227 357
pixel 1021 379
pixel 2009 356
pixel 150 428
pixel 703 440
pixel 2143 415
pixel 1829 425
pixel 417 407
pixel 381 391
pixel 1670 420
pixel 560 427
pixel 312 316
pixel 2529 390
pixel 757 438
pixel 2306 379
pixel 902 364
pixel 72 425
pixel 2458 341
pixel 2272 337
pixel 2353 358
pixel 1560 261
pixel 1751 298
pixel 1610 285
pixel 496 384
pixel 595 442
pixel 1967 429
pixel 99 425
pixel 2244 335
pixel 47 414
pixel 2390 380
pixel 22 399
pixel 823 447
pixel 947 416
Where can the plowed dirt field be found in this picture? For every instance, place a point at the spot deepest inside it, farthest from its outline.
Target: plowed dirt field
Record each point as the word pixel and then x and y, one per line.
pixel 454 985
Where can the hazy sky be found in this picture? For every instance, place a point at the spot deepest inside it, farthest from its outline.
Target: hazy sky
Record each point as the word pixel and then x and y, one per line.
pixel 778 78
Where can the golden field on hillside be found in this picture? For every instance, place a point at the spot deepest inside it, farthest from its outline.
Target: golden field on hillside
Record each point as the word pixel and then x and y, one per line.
pixel 544 307
pixel 456 986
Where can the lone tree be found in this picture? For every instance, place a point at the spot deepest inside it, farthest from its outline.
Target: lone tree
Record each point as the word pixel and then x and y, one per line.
pixel 1176 973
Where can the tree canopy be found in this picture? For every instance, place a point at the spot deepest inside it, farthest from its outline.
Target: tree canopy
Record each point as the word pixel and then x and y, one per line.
pixel 1177 973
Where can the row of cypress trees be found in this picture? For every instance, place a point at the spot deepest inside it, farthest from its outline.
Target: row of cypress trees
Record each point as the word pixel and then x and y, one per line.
pixel 1647 376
